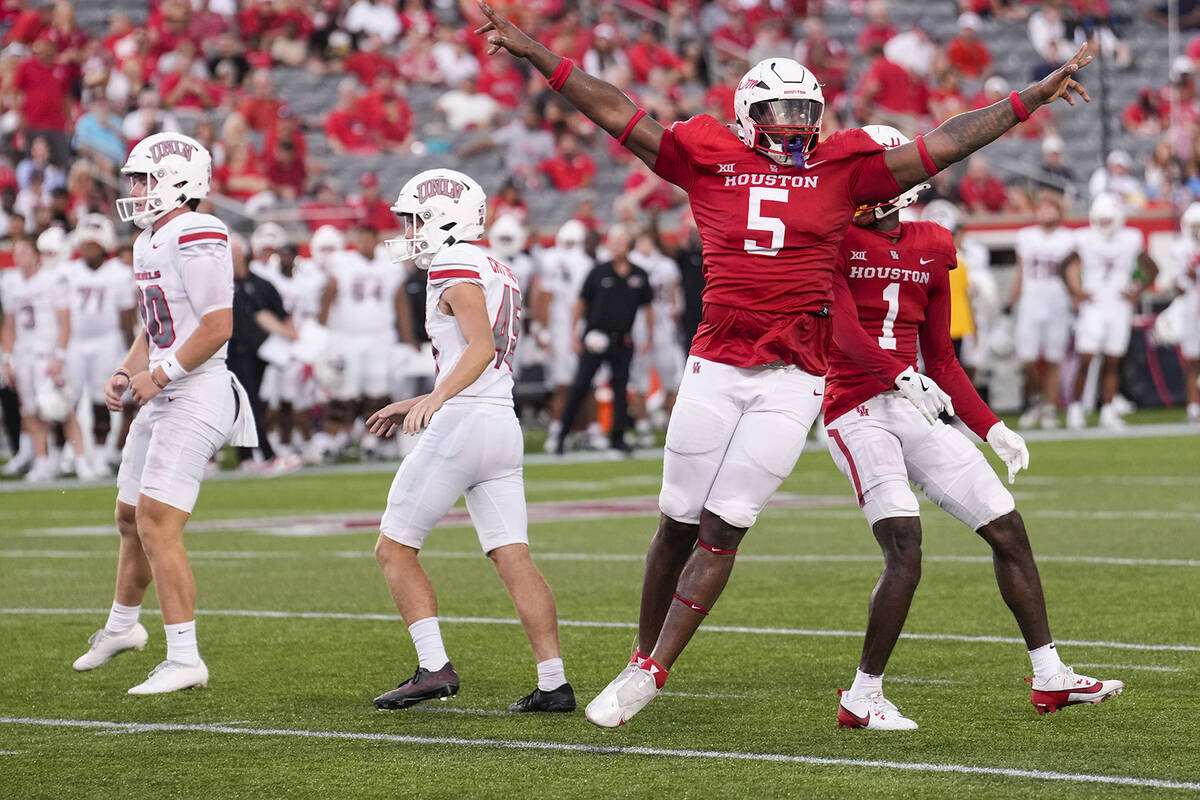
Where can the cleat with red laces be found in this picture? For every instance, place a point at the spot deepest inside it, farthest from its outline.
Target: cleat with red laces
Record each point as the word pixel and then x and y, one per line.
pixel 873 712
pixel 1068 689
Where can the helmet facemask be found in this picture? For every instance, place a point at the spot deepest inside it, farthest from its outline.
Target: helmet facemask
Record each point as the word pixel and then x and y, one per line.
pixel 410 245
pixel 786 130
pixel 142 210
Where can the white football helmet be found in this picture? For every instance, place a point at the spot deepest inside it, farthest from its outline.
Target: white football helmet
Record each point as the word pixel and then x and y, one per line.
pixel 53 245
pixel 778 105
pixel 326 242
pixel 571 235
pixel 1190 222
pixel 1107 213
pixel 268 236
pixel 889 137
pixel 507 236
pixel 943 212
pixel 51 399
pixel 437 207
pixel 96 228
pixel 177 169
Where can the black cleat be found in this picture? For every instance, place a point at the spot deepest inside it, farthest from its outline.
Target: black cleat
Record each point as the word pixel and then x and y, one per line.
pixel 561 700
pixel 423 685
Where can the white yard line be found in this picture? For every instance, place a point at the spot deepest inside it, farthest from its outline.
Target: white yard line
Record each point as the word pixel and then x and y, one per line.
pixel 575 623
pixel 1136 667
pixel 924 680
pixel 566 747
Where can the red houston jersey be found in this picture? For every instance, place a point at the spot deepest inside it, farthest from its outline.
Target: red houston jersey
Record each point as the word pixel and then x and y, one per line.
pixel 899 285
pixel 770 234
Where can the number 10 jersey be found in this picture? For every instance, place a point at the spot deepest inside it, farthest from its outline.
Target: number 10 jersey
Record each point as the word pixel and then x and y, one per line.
pixel 183 271
pixel 466 263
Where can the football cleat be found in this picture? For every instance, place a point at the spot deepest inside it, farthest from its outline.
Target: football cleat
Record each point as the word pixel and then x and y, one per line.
pixel 423 685
pixel 1075 417
pixel 628 694
pixel 560 700
pixel 1068 689
pixel 1110 418
pixel 1031 417
pixel 1049 417
pixel 873 713
pixel 105 646
pixel 171 676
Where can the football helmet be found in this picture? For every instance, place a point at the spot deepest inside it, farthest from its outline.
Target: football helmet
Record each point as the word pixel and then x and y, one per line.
pixel 1190 222
pixel 437 207
pixel 507 236
pixel 778 105
pixel 325 243
pixel 51 399
pixel 53 245
pixel 889 137
pixel 95 228
pixel 570 235
pixel 177 169
pixel 268 236
pixel 1107 214
pixel 943 212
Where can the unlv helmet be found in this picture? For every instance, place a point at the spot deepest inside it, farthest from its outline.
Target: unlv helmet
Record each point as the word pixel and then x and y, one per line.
pixel 95 228
pixel 1190 222
pixel 778 105
pixel 507 236
pixel 889 137
pixel 437 207
pixel 1107 213
pixel 177 168
pixel 53 245
pixel 571 235
pixel 326 242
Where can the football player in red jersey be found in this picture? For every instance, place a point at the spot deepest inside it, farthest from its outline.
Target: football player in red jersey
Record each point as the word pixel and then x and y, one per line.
pixel 771 203
pixel 896 275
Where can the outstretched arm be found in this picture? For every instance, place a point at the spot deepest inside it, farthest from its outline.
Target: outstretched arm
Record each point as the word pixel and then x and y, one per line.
pixel 963 134
pixel 601 102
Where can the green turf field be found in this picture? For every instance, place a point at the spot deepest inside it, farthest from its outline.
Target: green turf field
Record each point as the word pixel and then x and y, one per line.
pixel 752 706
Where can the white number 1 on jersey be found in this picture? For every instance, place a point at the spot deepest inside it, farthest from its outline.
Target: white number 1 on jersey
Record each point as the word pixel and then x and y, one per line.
pixel 892 294
pixel 755 221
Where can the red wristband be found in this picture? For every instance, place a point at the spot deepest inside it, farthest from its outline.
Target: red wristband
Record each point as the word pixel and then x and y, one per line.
pixel 641 112
pixel 1018 107
pixel 561 72
pixel 926 160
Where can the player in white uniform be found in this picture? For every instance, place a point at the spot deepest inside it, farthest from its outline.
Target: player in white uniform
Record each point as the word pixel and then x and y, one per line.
pixel 33 341
pixel 1185 266
pixel 1102 275
pixel 662 349
pixel 472 442
pixel 1043 327
pixel 563 270
pixel 102 317
pixel 191 404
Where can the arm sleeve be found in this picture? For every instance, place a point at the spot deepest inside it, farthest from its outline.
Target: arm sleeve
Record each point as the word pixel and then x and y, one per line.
pixel 854 341
pixel 207 279
pixel 673 163
pixel 943 366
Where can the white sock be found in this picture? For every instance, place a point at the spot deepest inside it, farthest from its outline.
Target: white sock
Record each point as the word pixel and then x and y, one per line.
pixel 551 674
pixel 122 618
pixel 865 684
pixel 1046 663
pixel 427 638
pixel 181 643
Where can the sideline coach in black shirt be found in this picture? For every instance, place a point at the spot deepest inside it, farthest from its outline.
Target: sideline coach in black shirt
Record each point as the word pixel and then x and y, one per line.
pixel 609 301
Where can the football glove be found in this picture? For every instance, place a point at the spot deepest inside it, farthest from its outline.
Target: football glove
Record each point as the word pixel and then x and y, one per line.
pixel 922 392
pixel 1010 448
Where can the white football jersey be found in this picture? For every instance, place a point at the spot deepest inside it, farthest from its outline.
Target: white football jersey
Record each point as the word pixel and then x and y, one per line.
pixel 1041 254
pixel 301 291
pixel 366 295
pixel 34 303
pixel 1108 262
pixel 563 273
pixel 1185 264
pixel 98 296
pixel 664 283
pixel 467 263
pixel 183 271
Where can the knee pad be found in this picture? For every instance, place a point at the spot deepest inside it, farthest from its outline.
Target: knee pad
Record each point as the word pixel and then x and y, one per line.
pixel 891 498
pixel 673 503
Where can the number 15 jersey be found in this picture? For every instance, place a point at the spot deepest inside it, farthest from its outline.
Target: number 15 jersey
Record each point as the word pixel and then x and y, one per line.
pixel 466 263
pixel 183 271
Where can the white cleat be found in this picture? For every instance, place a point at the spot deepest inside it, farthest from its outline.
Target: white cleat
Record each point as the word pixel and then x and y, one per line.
pixel 1031 417
pixel 105 646
pixel 1193 413
pixel 171 676
pixel 1075 417
pixel 42 471
pixel 1049 417
pixel 628 694
pixel 873 713
pixel 1068 689
pixel 1110 418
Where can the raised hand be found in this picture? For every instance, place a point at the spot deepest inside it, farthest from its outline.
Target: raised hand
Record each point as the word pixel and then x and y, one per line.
pixel 503 35
pixel 1060 83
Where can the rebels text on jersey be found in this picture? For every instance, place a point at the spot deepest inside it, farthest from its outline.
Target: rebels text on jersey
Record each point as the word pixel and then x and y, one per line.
pixel 183 271
pixel 898 285
pixel 467 263
pixel 770 234
pixel 98 296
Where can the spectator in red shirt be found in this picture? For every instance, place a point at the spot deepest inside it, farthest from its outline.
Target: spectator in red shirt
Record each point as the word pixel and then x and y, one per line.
pixel 966 52
pixel 285 128
pixel 240 177
pixel 372 210
pixel 68 39
pixel 570 168
pixel 416 63
pixel 416 19
pixel 644 191
pixel 508 202
pixel 887 93
pixel 286 171
pixel 947 98
pixel 1144 115
pixel 45 102
pixel 825 57
pixel 878 29
pixel 387 114
pixel 368 62
pixel 348 132
pixel 736 34
pixel 181 88
pixel 260 107
pixel 327 208
pixel 647 52
pixel 500 78
pixel 980 190
pixel 29 25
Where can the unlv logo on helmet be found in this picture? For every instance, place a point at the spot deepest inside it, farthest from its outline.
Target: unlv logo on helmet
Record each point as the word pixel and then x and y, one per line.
pixel 439 186
pixel 171 147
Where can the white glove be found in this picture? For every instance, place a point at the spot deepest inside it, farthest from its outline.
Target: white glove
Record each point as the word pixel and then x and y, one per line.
pixel 922 392
pixel 1010 448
